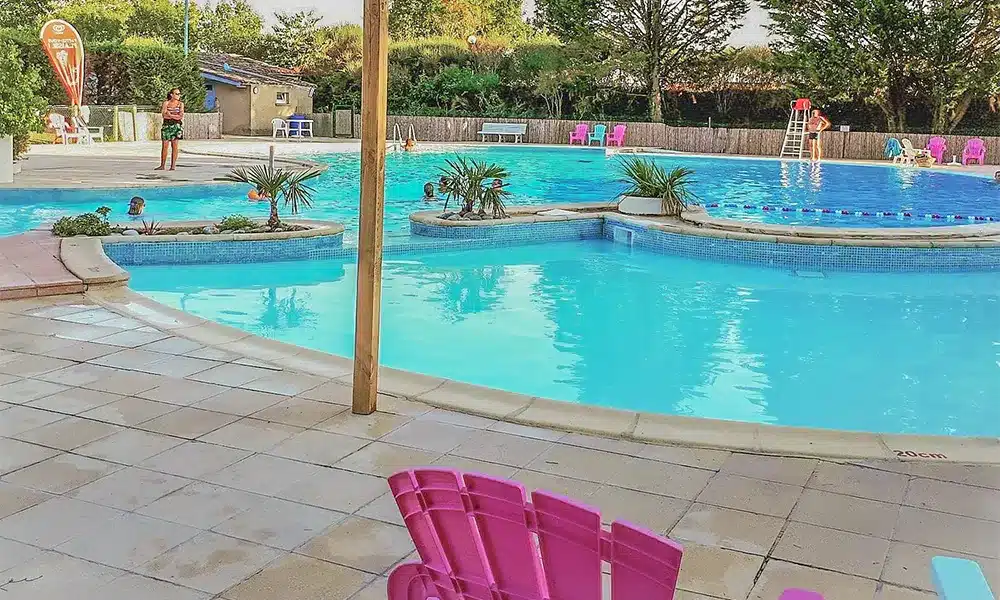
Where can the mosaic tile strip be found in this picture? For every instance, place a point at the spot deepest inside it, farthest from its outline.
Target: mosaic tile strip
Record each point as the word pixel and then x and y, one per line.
pixel 766 254
pixel 875 259
pixel 189 253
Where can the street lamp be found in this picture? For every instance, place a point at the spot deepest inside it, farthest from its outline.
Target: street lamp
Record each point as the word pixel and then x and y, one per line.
pixel 187 20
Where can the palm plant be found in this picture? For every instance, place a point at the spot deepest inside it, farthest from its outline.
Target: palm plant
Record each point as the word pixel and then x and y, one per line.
pixel 649 180
pixel 470 182
pixel 274 183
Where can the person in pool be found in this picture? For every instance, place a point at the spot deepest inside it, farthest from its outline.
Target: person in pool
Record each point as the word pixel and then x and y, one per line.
pixel 815 127
pixel 135 206
pixel 429 192
pixel 172 131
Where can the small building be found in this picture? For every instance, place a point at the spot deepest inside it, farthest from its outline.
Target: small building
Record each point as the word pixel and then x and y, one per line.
pixel 250 93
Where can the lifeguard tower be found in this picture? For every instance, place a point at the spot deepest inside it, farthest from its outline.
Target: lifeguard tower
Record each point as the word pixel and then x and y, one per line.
pixel 795 134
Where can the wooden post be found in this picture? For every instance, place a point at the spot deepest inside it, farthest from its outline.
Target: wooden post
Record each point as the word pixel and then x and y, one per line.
pixel 374 82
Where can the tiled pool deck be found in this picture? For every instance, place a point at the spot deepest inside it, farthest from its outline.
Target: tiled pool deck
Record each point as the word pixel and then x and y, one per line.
pixel 136 464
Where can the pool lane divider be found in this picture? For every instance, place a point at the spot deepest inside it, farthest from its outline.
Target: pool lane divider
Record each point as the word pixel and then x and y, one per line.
pixel 852 213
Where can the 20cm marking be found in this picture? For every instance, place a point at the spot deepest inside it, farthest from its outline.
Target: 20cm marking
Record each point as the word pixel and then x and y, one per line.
pixel 912 454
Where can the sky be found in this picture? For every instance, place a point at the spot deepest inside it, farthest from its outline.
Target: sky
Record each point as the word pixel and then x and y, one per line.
pixel 335 11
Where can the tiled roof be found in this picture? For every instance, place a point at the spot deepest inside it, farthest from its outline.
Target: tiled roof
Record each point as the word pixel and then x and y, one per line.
pixel 247 70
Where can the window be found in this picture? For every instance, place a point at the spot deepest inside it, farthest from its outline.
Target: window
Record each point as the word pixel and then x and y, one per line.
pixel 282 98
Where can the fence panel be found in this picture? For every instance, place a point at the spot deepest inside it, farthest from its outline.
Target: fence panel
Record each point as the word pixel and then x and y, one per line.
pixel 855 145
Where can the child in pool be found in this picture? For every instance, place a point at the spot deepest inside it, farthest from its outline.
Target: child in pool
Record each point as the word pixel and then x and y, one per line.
pixel 429 192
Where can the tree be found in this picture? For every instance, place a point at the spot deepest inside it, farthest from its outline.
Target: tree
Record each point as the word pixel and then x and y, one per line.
pixel 278 183
pixel 337 49
pixel 20 105
pixel 891 52
pixel 24 13
pixel 960 58
pixel 164 20
pixel 410 19
pixel 297 32
pixel 415 18
pixel 234 27
pixel 567 19
pixel 661 40
pixel 98 20
pixel 739 71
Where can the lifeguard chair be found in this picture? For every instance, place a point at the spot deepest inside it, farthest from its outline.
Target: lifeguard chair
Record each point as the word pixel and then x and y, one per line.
pixel 795 134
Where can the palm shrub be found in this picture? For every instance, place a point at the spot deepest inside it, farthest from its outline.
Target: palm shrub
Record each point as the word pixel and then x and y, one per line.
pixel 287 184
pixel 470 183
pixel 649 180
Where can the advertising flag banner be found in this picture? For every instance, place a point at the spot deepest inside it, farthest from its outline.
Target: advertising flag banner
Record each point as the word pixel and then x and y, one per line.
pixel 63 45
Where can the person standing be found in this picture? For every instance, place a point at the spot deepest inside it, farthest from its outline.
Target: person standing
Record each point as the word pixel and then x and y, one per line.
pixel 815 127
pixel 172 132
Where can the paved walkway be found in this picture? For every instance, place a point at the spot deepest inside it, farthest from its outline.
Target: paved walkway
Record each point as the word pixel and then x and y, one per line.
pixel 134 464
pixel 132 164
pixel 31 267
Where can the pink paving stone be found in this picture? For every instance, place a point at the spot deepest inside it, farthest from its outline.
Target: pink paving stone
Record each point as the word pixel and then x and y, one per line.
pixel 31 267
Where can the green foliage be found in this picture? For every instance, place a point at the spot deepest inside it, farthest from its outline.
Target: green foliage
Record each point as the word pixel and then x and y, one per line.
pixel 20 105
pixel 470 183
pixel 95 224
pixel 457 19
pixel 23 13
pixel 142 71
pixel 278 183
pixel 233 222
pixel 149 228
pixel 117 20
pixel 892 53
pixel 649 180
pixel 234 27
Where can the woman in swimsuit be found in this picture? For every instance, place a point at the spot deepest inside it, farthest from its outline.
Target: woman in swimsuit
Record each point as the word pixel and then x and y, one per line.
pixel 817 125
pixel 172 132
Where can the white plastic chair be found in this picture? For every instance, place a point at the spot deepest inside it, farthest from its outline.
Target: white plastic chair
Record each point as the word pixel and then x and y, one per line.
pixel 58 123
pixel 93 134
pixel 279 126
pixel 909 154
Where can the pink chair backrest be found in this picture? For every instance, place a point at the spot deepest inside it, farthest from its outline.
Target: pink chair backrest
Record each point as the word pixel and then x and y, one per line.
pixel 476 537
pixel 619 132
pixel 581 129
pixel 935 143
pixel 975 147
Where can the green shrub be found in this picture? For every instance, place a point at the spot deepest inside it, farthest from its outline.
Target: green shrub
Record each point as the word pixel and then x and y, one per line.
pixel 20 105
pixel 236 222
pixel 142 71
pixel 86 224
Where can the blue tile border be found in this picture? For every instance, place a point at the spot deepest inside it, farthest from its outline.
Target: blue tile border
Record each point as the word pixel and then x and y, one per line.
pixel 225 251
pixel 779 255
pixel 435 238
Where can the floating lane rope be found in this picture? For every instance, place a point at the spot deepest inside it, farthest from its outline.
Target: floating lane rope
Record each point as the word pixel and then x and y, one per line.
pixel 852 213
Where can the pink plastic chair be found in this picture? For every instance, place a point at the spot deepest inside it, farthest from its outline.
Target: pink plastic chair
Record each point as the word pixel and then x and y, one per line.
pixel 579 134
pixel 617 136
pixel 975 150
pixel 476 539
pixel 937 146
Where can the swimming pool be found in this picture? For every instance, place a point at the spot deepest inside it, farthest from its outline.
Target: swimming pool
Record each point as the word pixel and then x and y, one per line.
pixel 596 323
pixel 546 175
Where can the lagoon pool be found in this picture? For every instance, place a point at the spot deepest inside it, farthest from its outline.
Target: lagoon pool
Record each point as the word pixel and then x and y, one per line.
pixel 546 175
pixel 597 323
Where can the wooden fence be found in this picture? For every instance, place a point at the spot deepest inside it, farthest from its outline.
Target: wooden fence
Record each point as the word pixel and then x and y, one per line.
pixel 858 145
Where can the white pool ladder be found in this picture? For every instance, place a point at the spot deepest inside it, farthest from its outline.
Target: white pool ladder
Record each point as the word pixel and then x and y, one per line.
pixel 397 136
pixel 794 144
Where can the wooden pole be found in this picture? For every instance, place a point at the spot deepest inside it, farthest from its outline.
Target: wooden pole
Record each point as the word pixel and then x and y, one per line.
pixel 374 83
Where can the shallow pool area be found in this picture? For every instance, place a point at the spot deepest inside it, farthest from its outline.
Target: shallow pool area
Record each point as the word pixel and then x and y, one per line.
pixel 597 323
pixel 542 175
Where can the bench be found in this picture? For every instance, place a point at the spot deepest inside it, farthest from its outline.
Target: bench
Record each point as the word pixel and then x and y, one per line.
pixel 515 130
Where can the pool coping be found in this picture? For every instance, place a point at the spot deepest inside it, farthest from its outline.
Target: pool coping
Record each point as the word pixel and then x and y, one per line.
pixel 559 415
pixel 696 221
pixel 85 258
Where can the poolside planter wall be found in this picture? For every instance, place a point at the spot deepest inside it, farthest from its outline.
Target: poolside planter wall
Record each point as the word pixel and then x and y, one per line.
pixel 807 254
pixel 242 251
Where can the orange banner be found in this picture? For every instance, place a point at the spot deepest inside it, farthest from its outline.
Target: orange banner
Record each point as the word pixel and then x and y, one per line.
pixel 64 48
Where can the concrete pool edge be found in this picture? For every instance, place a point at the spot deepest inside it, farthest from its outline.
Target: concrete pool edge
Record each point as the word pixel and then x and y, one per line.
pixel 556 414
pixel 694 235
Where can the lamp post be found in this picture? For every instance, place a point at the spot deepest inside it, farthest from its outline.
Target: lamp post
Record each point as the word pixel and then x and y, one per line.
pixel 187 20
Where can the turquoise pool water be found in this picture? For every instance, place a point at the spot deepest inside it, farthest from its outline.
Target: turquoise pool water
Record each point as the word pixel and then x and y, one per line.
pixel 541 175
pixel 595 323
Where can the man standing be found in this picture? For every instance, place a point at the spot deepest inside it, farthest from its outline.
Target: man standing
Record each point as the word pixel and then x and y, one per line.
pixel 817 125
